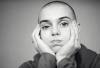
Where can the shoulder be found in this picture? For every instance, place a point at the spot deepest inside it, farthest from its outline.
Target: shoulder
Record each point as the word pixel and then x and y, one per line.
pixel 85 52
pixel 88 58
pixel 96 63
pixel 27 64
pixel 31 63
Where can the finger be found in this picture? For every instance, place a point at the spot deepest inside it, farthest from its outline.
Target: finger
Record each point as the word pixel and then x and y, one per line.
pixel 76 30
pixel 37 36
pixel 34 31
pixel 77 44
pixel 72 33
pixel 42 47
pixel 34 39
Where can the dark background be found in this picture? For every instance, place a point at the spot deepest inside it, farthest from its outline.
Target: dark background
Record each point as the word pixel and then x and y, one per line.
pixel 18 18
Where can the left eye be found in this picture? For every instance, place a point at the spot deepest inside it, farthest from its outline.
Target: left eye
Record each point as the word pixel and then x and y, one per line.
pixel 64 24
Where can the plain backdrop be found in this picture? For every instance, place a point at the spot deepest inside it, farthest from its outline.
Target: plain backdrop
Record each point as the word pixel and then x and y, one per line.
pixel 18 18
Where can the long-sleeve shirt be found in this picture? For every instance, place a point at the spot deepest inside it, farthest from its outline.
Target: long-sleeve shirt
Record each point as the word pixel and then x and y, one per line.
pixel 84 58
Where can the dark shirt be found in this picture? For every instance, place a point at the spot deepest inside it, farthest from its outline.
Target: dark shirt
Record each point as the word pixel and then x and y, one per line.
pixel 85 58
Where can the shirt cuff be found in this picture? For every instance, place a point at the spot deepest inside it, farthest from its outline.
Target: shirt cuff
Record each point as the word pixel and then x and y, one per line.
pixel 47 61
pixel 67 63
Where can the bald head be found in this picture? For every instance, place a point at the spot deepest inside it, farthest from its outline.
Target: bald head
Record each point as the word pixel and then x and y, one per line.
pixel 54 20
pixel 57 6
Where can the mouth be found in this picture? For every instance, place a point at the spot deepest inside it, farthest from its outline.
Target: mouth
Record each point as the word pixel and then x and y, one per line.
pixel 56 41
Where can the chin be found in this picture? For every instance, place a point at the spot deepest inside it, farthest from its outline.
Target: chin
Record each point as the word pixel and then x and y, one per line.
pixel 56 49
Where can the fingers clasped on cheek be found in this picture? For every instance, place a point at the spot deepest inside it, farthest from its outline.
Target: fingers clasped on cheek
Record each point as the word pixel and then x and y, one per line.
pixel 77 43
pixel 35 36
pixel 37 30
pixel 76 40
pixel 72 33
pixel 40 45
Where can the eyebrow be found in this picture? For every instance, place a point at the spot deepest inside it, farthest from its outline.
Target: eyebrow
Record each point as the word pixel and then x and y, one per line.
pixel 43 21
pixel 47 21
pixel 61 18
pixel 65 17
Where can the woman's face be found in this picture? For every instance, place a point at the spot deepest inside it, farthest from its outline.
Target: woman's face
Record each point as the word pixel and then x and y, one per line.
pixel 55 26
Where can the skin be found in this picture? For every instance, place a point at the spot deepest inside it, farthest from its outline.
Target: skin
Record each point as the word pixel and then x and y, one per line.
pixel 55 25
pixel 56 22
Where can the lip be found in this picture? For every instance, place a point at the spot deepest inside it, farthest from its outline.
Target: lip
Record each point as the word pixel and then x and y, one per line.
pixel 56 41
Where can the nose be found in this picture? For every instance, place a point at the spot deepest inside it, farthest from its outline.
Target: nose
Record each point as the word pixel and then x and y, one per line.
pixel 55 31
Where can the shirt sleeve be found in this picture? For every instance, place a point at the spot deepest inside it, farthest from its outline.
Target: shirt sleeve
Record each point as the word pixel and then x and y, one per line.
pixel 67 63
pixel 27 64
pixel 47 61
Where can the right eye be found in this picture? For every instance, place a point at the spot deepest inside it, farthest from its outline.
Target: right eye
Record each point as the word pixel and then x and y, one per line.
pixel 45 27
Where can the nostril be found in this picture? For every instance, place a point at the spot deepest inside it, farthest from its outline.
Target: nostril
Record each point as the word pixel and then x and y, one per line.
pixel 55 31
pixel 54 34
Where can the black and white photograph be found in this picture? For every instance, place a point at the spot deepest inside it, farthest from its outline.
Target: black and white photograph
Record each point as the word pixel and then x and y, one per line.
pixel 49 34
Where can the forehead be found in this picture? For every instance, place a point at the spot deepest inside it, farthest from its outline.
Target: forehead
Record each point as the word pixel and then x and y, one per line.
pixel 55 11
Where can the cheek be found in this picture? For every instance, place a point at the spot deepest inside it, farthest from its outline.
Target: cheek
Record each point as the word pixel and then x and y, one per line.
pixel 65 34
pixel 45 35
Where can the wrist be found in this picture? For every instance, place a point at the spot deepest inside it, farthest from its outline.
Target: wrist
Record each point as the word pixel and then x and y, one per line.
pixel 67 63
pixel 59 58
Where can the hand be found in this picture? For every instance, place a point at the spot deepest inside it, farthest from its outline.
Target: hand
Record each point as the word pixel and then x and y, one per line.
pixel 70 48
pixel 39 44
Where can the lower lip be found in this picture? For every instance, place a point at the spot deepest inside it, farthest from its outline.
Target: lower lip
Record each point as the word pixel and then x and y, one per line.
pixel 56 41
pixel 55 45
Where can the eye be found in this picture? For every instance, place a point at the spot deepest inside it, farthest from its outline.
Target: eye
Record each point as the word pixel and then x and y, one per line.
pixel 45 27
pixel 64 23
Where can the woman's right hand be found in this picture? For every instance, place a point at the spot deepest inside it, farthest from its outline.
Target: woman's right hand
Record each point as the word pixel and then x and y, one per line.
pixel 39 44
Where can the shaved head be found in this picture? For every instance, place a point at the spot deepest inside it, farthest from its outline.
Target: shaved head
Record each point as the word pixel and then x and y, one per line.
pixel 55 19
pixel 59 4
